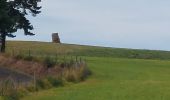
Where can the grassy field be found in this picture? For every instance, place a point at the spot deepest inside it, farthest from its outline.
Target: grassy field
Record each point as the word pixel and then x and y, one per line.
pixel 115 77
pixel 45 48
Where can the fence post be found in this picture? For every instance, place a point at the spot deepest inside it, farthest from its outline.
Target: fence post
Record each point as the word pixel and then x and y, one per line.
pixel 35 86
pixel 29 53
pixel 13 52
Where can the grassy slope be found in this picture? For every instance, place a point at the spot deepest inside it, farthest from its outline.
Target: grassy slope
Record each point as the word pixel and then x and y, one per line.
pixel 113 78
pixel 40 48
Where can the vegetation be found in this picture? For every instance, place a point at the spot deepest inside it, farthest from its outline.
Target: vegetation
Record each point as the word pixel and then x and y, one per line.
pixel 143 77
pixel 13 17
pixel 45 48
pixel 9 91
pixel 47 74
pixel 116 79
pixel 47 70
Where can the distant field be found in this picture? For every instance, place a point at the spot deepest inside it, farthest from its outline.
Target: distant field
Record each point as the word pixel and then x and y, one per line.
pixel 146 76
pixel 41 48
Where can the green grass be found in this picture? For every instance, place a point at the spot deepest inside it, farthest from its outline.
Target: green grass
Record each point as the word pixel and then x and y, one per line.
pixel 45 48
pixel 116 79
pixel 115 76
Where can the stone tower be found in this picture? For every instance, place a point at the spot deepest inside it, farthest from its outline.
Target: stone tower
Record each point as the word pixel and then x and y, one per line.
pixel 55 38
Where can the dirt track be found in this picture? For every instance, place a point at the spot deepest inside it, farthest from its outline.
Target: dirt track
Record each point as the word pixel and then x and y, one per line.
pixel 14 75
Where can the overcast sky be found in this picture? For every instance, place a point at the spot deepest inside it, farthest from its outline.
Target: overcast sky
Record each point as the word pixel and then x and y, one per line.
pixel 141 24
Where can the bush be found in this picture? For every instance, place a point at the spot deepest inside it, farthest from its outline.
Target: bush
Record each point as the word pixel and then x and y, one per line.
pixel 31 88
pixel 49 62
pixel 55 82
pixel 43 84
pixel 28 58
pixel 18 57
pixel 48 82
pixel 21 91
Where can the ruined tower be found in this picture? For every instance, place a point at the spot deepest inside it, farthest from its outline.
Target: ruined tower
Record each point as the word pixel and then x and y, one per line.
pixel 55 38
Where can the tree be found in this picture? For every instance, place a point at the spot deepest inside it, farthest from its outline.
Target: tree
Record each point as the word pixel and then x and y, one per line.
pixel 13 17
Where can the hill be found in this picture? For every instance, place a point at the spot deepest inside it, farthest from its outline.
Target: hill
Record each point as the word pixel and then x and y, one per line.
pixel 115 76
pixel 46 48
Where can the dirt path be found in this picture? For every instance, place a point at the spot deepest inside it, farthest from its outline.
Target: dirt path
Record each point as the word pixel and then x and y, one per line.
pixel 16 76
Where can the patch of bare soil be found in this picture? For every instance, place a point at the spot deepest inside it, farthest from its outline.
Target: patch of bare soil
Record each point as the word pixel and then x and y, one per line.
pixel 14 75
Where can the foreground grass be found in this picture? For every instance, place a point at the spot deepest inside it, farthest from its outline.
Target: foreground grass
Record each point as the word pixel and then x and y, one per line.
pixel 116 79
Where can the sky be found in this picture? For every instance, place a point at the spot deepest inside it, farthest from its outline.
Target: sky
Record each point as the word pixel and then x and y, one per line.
pixel 138 24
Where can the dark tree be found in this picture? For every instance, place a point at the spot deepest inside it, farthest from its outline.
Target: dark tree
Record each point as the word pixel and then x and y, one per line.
pixel 13 17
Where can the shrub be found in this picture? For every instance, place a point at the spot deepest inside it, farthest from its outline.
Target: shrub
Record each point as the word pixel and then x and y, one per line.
pixel 21 91
pixel 28 58
pixel 18 57
pixel 31 88
pixel 49 62
pixel 43 84
pixel 55 82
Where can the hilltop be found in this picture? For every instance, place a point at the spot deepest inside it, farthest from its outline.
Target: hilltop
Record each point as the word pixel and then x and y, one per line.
pixel 40 48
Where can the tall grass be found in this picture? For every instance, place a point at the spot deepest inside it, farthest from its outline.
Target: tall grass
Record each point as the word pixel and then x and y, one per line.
pixel 76 71
pixel 52 71
pixel 10 91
